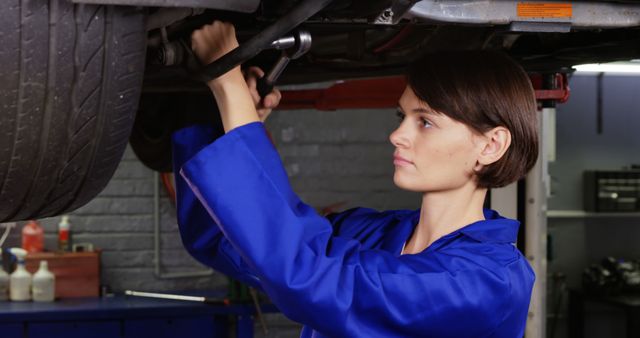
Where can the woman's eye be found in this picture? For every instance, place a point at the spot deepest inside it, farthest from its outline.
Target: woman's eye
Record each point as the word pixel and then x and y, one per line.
pixel 425 123
pixel 400 116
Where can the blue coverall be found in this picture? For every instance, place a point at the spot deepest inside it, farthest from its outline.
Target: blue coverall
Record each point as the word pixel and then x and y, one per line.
pixel 342 275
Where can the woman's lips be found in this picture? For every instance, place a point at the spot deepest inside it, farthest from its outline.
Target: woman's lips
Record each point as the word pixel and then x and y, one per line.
pixel 397 160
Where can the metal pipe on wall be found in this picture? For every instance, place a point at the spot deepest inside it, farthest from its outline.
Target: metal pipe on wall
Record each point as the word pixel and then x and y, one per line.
pixel 156 238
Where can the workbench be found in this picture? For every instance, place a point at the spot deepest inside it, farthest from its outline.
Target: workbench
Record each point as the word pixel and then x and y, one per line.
pixel 127 317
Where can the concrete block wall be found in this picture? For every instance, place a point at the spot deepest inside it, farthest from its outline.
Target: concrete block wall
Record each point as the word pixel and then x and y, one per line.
pixel 332 157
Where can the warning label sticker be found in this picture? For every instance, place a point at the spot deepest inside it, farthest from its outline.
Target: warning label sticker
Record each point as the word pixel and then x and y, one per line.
pixel 544 10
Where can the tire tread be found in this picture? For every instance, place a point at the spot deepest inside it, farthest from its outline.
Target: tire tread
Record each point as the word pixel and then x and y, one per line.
pixel 64 126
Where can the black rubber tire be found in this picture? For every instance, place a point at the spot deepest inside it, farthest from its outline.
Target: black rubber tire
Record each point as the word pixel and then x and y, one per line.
pixel 70 81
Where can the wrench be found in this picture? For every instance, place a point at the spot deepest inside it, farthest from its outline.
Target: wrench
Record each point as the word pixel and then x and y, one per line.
pixel 175 53
pixel 294 47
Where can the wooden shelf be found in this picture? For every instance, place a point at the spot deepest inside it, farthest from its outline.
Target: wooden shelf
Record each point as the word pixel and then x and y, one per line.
pixel 589 214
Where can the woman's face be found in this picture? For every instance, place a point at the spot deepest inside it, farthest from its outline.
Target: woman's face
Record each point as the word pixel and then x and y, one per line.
pixel 433 152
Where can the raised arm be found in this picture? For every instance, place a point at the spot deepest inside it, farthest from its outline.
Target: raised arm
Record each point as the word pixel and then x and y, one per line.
pixel 200 235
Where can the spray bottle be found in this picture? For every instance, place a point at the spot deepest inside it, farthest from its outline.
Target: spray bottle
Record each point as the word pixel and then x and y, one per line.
pixel 20 279
pixel 4 281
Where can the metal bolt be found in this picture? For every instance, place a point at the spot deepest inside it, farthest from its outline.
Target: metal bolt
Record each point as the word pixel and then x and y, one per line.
pixel 386 17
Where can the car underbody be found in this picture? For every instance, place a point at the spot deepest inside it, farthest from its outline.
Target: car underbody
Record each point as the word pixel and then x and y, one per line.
pixel 350 40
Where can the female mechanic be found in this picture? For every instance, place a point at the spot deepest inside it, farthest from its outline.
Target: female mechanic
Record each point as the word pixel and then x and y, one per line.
pixel 449 269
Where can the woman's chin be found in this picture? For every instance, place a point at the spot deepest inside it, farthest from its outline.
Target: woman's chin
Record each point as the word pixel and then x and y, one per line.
pixel 404 184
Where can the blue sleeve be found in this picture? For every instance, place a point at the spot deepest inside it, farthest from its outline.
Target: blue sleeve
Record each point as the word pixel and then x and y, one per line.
pixel 200 235
pixel 332 283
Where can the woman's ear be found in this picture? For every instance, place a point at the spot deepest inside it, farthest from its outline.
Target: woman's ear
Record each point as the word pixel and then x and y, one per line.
pixel 496 142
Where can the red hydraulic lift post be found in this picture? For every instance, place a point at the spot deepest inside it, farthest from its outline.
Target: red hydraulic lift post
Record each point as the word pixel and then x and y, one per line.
pixel 353 94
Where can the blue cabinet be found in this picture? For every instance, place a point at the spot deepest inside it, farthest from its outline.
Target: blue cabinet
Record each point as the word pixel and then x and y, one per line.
pixel 125 317
pixel 201 326
pixel 11 330
pixel 106 329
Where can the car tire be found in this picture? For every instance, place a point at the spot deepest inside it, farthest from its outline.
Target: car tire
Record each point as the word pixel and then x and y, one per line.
pixel 71 76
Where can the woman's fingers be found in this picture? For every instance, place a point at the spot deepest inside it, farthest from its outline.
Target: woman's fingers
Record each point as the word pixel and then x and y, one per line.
pixel 212 41
pixel 252 74
pixel 269 102
pixel 272 99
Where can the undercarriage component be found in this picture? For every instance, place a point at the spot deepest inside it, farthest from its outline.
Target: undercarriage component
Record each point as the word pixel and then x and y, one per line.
pixel 242 6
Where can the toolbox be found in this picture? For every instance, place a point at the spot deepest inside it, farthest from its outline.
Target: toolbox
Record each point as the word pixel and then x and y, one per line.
pixel 612 191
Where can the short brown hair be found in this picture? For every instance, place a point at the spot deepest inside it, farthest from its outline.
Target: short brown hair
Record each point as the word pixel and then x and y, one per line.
pixel 484 90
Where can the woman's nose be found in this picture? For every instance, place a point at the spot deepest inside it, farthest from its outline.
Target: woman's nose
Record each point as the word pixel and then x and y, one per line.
pixel 399 138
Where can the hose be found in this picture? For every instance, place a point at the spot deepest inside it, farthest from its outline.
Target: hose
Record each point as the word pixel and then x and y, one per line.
pixel 7 229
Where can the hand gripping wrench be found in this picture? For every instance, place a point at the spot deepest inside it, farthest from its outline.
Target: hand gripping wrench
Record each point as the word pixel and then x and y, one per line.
pixel 292 48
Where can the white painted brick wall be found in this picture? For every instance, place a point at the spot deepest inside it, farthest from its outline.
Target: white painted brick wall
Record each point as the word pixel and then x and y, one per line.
pixel 340 156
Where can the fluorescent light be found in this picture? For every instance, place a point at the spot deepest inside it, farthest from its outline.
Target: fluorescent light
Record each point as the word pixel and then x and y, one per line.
pixel 612 67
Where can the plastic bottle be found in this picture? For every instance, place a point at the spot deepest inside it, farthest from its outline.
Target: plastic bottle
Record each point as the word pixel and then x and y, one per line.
pixel 44 284
pixel 20 279
pixel 64 230
pixel 32 237
pixel 4 281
